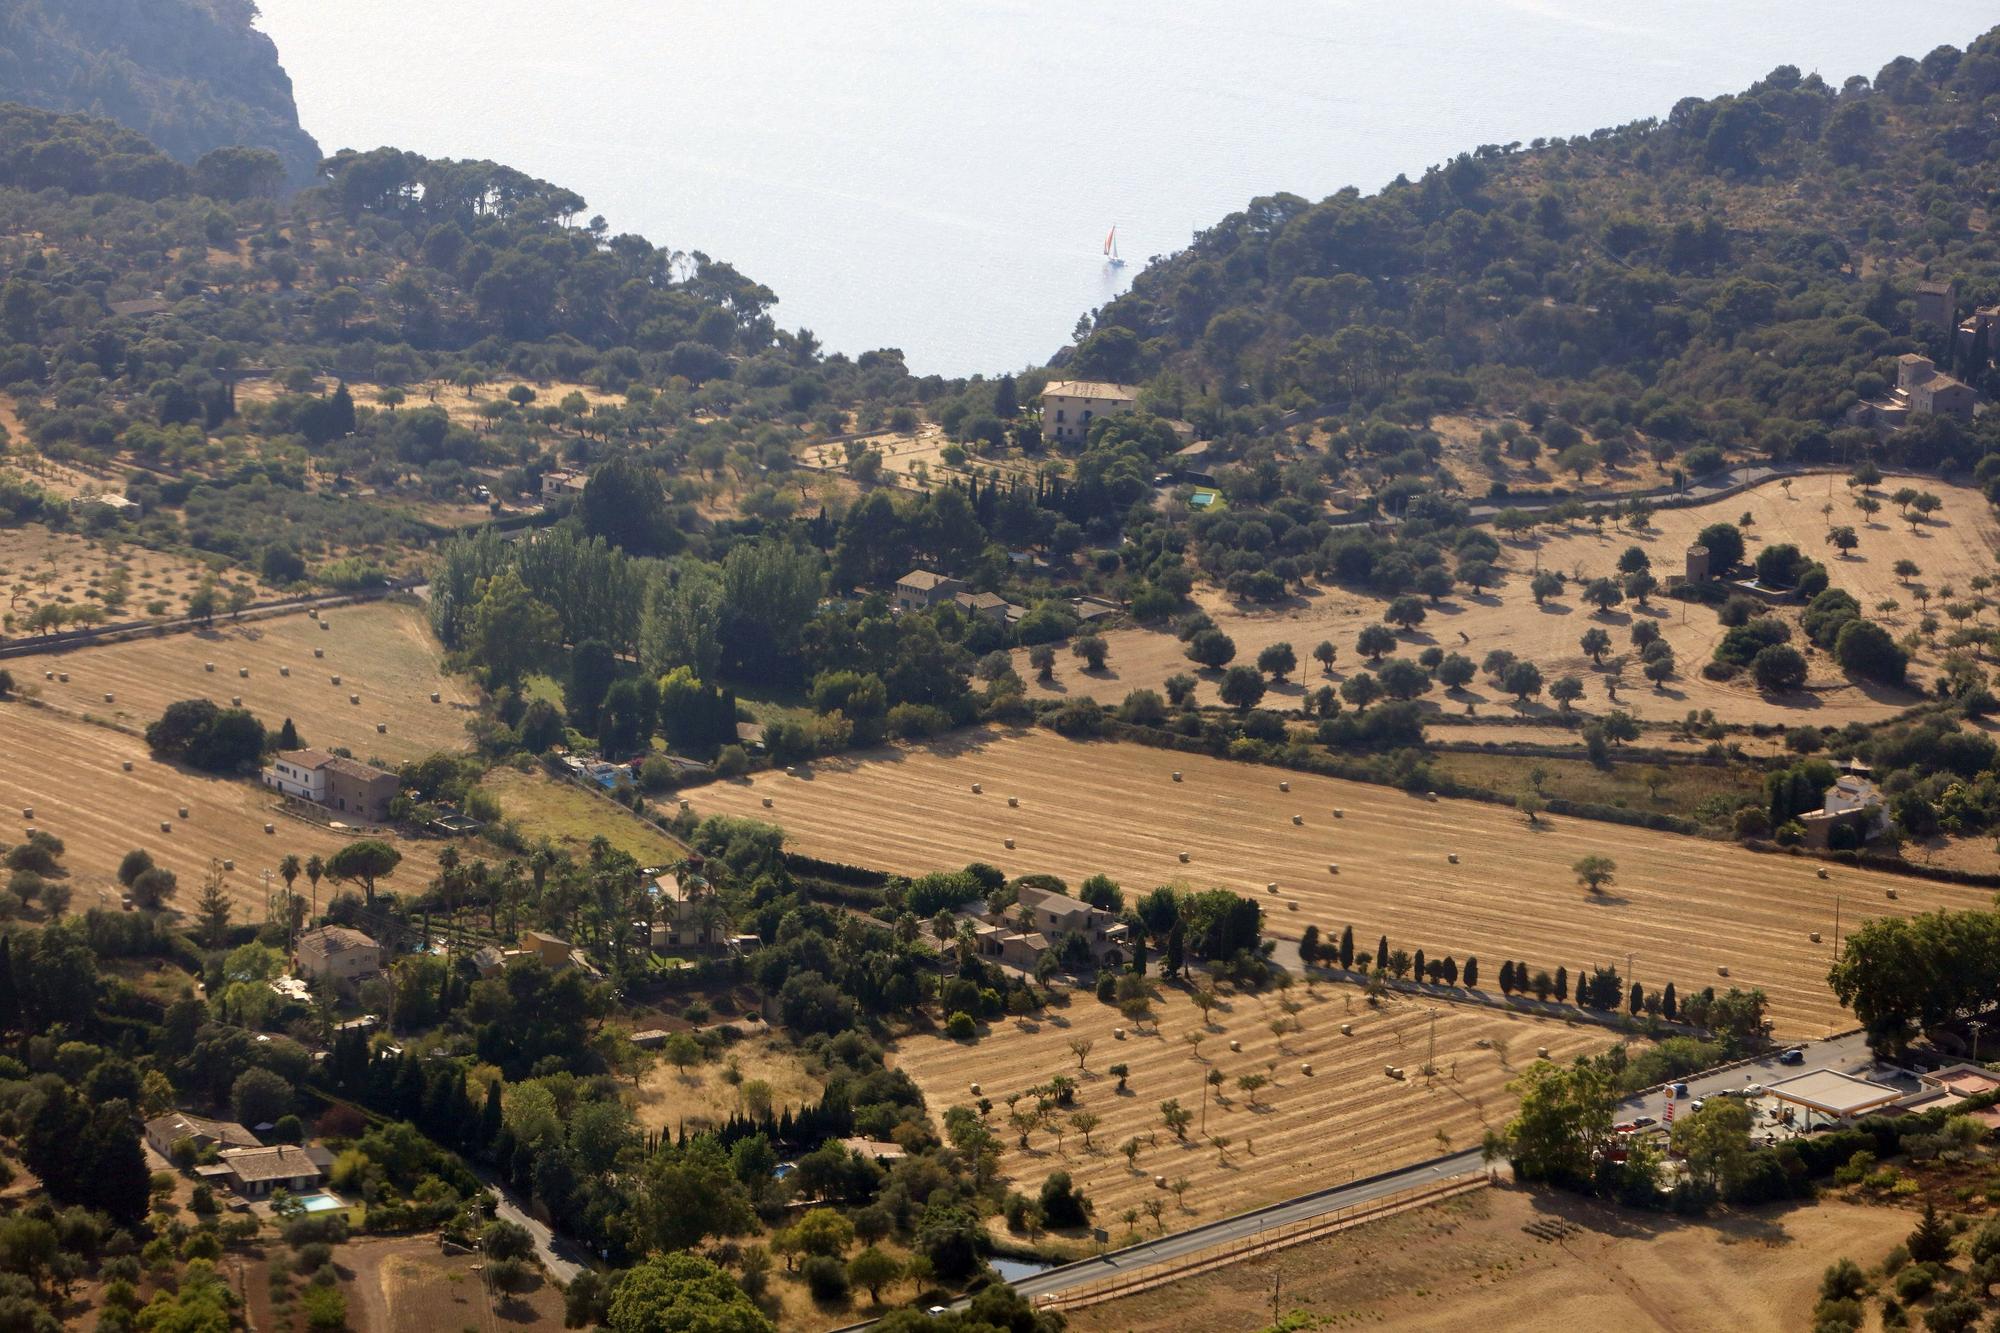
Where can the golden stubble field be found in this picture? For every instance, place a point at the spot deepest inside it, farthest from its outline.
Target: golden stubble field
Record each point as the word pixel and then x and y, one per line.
pixel 381 651
pixel 1682 907
pixel 1955 544
pixel 1304 1131
pixel 71 774
pixel 1472 1264
pixel 68 569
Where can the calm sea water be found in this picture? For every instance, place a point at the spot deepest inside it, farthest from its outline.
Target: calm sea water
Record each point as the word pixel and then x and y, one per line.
pixel 939 175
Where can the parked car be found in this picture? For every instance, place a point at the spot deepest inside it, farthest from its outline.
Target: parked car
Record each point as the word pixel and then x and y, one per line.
pixel 1752 1090
pixel 1643 1122
pixel 1680 1090
pixel 1697 1104
pixel 1794 1056
pixel 1625 1127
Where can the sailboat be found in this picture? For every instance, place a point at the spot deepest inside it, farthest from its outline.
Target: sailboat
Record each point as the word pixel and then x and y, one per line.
pixel 1111 249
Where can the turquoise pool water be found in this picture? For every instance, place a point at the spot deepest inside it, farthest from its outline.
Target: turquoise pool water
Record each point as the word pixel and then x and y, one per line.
pixel 319 1203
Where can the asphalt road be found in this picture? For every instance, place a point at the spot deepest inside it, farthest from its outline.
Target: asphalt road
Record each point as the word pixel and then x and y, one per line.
pixel 547 1248
pixel 1849 1054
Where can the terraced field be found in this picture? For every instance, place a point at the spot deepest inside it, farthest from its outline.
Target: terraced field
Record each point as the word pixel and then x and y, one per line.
pixel 1682 908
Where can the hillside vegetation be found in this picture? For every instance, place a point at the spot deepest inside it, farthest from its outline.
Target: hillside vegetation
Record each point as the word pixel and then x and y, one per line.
pixel 191 75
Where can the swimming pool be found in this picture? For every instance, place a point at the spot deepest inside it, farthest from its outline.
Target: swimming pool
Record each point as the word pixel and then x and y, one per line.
pixel 319 1203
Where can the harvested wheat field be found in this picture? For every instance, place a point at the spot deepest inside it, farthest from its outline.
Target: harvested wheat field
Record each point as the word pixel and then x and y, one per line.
pixel 382 652
pixel 1299 1132
pixel 71 774
pixel 1953 546
pixel 1469 1264
pixel 1683 907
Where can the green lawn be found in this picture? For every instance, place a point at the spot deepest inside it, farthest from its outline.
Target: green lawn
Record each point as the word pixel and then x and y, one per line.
pixel 1623 785
pixel 570 817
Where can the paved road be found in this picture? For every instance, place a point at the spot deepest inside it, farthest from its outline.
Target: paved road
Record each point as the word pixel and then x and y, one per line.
pixel 547 1248
pixel 1848 1053
pixel 1248 1225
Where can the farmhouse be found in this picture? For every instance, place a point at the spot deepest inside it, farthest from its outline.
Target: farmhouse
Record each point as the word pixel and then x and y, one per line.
pixel 563 484
pixel 338 956
pixel 1069 406
pixel 1921 390
pixel 1936 302
pixel 1852 802
pixel 683 915
pixel 1041 920
pixel 922 589
pixel 335 782
pixel 255 1172
pixel 163 1132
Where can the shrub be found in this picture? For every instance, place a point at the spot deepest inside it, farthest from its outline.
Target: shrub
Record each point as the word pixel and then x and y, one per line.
pixel 826 1278
pixel 960 1027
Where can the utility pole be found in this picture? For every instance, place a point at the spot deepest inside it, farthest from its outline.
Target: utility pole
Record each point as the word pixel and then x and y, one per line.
pixel 1836 927
pixel 1275 1279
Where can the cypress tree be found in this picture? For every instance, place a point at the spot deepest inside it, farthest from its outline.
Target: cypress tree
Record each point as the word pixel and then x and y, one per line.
pixel 1418 969
pixel 1562 985
pixel 1309 946
pixel 1472 972
pixel 1347 947
pixel 1669 1005
pixel 1382 954
pixel 1636 1000
pixel 1176 950
pixel 1506 976
pixel 10 995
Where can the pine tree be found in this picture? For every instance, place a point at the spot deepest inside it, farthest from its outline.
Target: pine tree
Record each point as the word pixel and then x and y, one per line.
pixel 212 908
pixel 1309 946
pixel 1347 947
pixel 1930 1243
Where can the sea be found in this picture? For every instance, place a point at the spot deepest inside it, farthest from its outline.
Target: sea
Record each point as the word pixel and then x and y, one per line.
pixel 940 176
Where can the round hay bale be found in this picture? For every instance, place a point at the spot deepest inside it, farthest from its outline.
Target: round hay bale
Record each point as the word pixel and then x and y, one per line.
pixel 228 863
pixel 1892 894
pixel 1271 886
pixel 767 803
pixel 1542 1052
pixel 242 673
pixel 1430 796
pixel 1722 971
pixel 1333 867
pixel 975 1089
pixel 381 728
pixel 235 701
pixel 1284 786
pixel 27 812
pixel 1815 937
pixel 1298 820
pixel 165 827
pixel 333 680
pixel 436 697
pixel 1291 904
pixel 208 666
pixel 319 652
pixel 127 765
pixel 1347 1029
pixel 1184 858
pixel 1010 844
pixel 791 771
pixel 270 828
pixel 312 613
pixel 48 675
pixel 1339 813
pixel 354 698
pixel 1118 1034
pixel 284 671
pixel 1177 775
pixel 977 789
pixel 687 805
pixel 1452 857
pixel 183 812
pixel 324 625
pixel 1821 872
pixel 63 676
pixel 1159 1182
pixel 1235 1045
pixel 110 698
pixel 1013 802
pixel 1306 1069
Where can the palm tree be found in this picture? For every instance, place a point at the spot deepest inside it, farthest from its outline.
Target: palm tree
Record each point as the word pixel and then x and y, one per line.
pixel 314 869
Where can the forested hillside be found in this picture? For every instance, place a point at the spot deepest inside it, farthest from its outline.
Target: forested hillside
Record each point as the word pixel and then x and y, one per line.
pixel 191 75
pixel 1732 274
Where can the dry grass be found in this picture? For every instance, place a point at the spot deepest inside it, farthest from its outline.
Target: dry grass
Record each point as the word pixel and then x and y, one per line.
pixel 67 569
pixel 1682 906
pixel 382 651
pixel 70 772
pixel 703 1096
pixel 410 1283
pixel 1468 1264
pixel 1344 1120
pixel 570 817
pixel 1956 544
